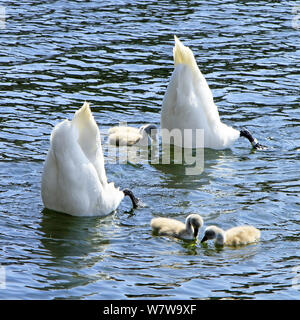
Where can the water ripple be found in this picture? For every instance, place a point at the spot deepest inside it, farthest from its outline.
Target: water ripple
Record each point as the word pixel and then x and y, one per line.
pixel 118 56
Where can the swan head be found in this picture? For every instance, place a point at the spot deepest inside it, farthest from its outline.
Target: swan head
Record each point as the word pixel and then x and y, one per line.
pixel 150 130
pixel 214 232
pixel 196 221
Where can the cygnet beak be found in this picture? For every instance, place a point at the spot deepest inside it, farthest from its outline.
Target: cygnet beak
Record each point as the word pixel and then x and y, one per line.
pixel 151 130
pixel 204 239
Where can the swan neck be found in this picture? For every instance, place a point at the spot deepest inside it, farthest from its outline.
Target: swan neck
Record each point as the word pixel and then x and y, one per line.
pixel 190 228
pixel 134 200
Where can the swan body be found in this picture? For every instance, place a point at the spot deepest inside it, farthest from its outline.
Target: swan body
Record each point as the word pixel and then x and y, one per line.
pixel 174 228
pixel 235 236
pixel 188 104
pixel 74 179
pixel 128 136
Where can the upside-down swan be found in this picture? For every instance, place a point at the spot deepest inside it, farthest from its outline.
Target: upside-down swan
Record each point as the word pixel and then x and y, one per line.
pixel 74 179
pixel 188 104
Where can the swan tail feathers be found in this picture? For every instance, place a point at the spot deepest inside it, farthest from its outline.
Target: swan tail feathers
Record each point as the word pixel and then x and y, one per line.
pixel 84 122
pixel 183 54
pixel 84 114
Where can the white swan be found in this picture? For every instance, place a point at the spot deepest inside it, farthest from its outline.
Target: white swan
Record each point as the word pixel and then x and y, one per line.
pixel 232 237
pixel 74 179
pixel 128 136
pixel 188 104
pixel 175 228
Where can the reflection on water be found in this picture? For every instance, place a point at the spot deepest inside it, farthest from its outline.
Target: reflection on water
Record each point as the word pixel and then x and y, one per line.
pixel 118 56
pixel 68 236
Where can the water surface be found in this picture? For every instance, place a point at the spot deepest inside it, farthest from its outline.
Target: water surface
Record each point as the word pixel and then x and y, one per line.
pixel 118 56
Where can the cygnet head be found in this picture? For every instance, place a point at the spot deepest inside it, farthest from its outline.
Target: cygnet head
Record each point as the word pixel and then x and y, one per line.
pixel 213 232
pixel 150 130
pixel 196 221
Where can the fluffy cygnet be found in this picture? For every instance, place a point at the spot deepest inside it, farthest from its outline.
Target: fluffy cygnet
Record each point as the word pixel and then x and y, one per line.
pixel 174 228
pixel 129 136
pixel 232 237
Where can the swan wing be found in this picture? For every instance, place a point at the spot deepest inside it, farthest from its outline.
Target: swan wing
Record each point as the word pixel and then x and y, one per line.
pixel 70 182
pixel 188 92
pixel 89 139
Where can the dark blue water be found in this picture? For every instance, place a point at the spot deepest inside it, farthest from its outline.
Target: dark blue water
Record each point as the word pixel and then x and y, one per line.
pixel 118 56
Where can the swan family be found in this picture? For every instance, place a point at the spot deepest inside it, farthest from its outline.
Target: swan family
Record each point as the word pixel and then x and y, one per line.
pixel 74 179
